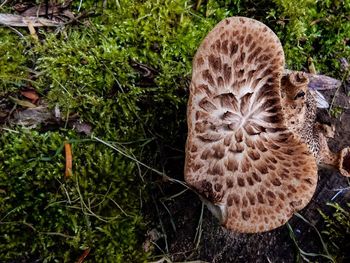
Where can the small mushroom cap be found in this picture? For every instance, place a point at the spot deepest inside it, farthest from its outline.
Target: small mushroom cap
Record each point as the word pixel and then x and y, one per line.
pixel 239 153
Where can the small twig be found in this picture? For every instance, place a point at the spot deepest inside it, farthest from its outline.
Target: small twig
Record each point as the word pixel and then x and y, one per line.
pixel 3 3
pixel 32 32
pixel 197 237
pixel 316 230
pixel 121 209
pixel 174 196
pixel 91 213
pixel 170 215
pixel 302 253
pixel 69 161
pixel 9 130
pixel 56 234
pixel 18 222
pixel 80 3
pixel 128 156
pixel 342 189
pixel 16 31
pixel 162 226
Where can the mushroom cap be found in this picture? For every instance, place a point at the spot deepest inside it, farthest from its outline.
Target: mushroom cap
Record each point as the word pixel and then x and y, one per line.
pixel 240 155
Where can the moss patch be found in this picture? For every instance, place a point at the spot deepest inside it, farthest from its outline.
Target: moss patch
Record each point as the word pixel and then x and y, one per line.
pixel 337 231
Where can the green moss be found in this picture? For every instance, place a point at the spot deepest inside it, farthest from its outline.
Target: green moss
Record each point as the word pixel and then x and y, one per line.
pixel 13 61
pixel 317 29
pixel 47 217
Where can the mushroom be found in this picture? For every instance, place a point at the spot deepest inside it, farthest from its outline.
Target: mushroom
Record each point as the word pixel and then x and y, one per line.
pixel 241 156
pixel 299 109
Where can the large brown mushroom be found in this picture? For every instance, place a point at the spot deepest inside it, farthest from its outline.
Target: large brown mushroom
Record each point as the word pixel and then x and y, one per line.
pixel 240 154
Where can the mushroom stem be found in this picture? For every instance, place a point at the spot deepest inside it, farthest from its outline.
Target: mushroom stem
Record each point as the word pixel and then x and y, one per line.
pixel 218 211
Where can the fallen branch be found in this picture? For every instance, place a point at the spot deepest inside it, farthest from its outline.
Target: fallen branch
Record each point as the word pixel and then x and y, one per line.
pixel 24 21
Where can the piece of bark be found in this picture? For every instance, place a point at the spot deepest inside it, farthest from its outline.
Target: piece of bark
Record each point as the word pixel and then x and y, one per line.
pixel 21 21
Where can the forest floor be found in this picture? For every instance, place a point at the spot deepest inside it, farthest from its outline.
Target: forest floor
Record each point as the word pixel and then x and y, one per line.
pixel 93 131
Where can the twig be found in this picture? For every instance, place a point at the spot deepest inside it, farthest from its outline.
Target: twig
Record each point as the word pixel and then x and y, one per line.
pixel 197 237
pixel 16 31
pixel 80 3
pixel 68 153
pixel 23 21
pixel 3 3
pixel 162 226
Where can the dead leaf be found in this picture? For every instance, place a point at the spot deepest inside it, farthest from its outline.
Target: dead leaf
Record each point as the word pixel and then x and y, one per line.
pixel 30 94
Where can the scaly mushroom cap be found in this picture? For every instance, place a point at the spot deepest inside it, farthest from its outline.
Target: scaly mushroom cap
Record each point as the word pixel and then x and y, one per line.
pixel 239 154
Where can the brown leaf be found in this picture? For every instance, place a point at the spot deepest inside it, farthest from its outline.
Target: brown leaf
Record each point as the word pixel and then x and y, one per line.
pixel 30 94
pixel 84 255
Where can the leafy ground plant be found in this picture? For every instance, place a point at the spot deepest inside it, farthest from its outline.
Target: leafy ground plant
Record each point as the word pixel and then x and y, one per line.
pixel 337 230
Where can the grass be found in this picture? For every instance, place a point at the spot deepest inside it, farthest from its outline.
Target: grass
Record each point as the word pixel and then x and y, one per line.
pixel 93 71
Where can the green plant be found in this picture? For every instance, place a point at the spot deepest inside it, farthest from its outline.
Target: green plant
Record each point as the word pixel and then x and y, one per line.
pixel 337 230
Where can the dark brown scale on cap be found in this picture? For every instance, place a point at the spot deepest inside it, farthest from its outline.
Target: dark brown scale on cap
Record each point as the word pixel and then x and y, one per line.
pixel 233 48
pixel 227 70
pixel 208 77
pixel 214 63
pixel 204 89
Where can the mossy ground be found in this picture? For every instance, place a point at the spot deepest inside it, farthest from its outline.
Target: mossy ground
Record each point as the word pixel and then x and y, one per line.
pixel 95 69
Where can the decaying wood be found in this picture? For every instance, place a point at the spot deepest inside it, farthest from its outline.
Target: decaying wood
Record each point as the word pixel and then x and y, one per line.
pixel 24 21
pixel 319 82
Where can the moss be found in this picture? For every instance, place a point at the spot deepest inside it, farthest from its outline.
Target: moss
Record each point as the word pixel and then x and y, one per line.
pixel 47 217
pixel 317 29
pixel 95 70
pixel 13 62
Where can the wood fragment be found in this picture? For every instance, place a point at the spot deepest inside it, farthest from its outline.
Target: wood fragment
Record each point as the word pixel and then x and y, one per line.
pixel 69 163
pixel 22 21
pixel 319 82
pixel 32 31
